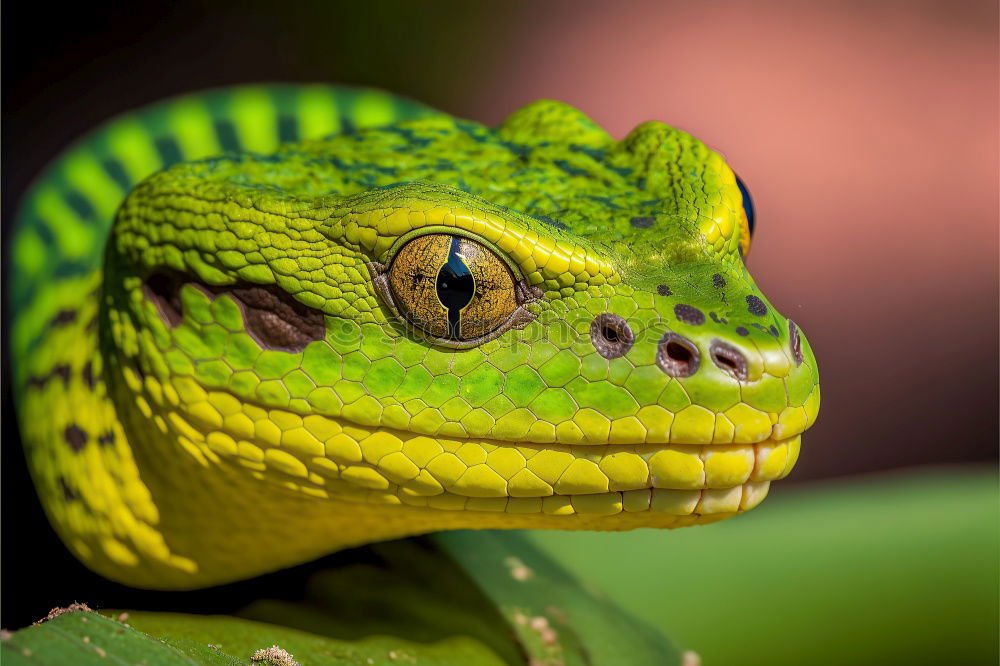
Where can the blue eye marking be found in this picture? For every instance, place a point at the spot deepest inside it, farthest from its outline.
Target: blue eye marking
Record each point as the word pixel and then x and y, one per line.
pixel 747 203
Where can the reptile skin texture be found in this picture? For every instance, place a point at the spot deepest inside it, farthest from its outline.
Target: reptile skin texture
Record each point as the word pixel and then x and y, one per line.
pixel 257 325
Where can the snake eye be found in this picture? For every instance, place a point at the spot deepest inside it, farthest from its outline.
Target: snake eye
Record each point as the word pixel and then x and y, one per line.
pixel 747 220
pixel 452 287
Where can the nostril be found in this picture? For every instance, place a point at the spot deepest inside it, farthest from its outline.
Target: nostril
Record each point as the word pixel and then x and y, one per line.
pixel 678 353
pixel 729 359
pixel 677 356
pixel 611 335
pixel 795 342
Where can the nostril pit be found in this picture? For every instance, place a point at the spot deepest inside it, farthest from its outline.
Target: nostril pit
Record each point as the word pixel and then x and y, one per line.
pixel 677 356
pixel 678 353
pixel 730 360
pixel 795 342
pixel 726 363
pixel 611 335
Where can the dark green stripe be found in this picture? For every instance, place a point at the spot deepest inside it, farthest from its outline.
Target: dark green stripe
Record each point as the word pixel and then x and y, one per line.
pixel 80 204
pixel 228 137
pixel 169 150
pixel 156 121
pixel 285 99
pixel 113 167
pixel 288 129
pixel 344 102
pixel 44 230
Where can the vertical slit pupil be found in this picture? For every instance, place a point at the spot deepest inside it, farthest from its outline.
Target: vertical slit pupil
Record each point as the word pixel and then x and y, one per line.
pixel 455 287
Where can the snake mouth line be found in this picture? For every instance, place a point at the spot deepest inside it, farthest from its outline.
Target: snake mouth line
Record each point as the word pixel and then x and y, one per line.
pixel 384 466
pixel 669 502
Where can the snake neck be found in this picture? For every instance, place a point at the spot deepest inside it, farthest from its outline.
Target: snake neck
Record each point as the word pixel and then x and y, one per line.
pixel 76 447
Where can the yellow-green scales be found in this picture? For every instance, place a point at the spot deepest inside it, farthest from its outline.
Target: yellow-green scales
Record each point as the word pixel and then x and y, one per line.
pixel 228 357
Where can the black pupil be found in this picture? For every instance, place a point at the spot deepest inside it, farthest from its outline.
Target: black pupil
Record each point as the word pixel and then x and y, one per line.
pixel 747 203
pixel 455 287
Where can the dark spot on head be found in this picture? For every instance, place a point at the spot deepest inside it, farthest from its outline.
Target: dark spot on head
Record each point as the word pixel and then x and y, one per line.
pixel 756 306
pixel 88 374
pixel 795 341
pixel 689 314
pixel 717 319
pixel 62 372
pixel 551 222
pixel 164 291
pixel 611 335
pixel 68 494
pixel 773 330
pixel 275 319
pixel 642 222
pixel 64 317
pixel 718 281
pixel 107 439
pixel 663 290
pixel 75 437
pixel 742 331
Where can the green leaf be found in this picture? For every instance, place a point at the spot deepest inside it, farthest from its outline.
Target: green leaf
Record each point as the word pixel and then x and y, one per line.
pixel 557 619
pixel 493 587
pixel 86 639
pixel 83 639
pixel 408 589
pixel 242 637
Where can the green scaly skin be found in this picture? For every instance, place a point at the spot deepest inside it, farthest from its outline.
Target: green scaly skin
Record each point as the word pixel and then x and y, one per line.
pixel 176 445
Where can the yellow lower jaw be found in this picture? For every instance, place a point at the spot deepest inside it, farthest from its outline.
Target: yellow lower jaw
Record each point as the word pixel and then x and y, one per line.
pixel 452 475
pixel 570 479
pixel 328 458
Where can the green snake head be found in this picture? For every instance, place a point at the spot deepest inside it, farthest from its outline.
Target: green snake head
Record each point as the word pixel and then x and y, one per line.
pixel 436 325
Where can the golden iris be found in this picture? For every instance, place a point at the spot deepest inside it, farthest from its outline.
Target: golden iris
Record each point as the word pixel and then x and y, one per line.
pixel 452 287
